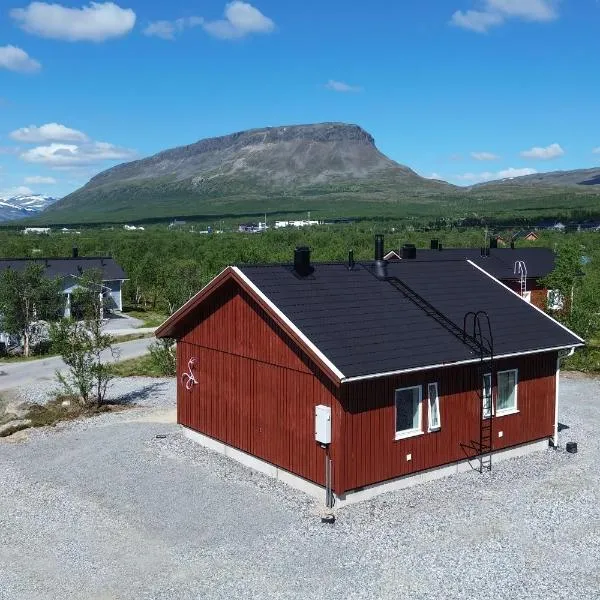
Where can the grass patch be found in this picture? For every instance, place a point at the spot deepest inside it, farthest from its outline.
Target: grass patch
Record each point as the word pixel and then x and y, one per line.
pixel 142 366
pixel 119 339
pixel 149 318
pixel 62 408
pixel 585 360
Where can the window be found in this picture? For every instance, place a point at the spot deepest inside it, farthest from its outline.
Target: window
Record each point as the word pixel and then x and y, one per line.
pixel 507 392
pixel 408 412
pixel 487 395
pixel 556 300
pixel 434 407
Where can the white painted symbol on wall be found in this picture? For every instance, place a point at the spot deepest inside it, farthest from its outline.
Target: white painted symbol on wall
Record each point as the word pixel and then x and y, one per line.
pixel 188 378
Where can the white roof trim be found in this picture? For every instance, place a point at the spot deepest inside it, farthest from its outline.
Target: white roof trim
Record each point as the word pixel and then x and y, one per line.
pixel 532 305
pixel 289 323
pixel 392 253
pixel 452 364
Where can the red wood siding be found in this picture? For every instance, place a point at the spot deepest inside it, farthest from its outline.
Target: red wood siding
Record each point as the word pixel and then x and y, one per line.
pixel 371 454
pixel 257 390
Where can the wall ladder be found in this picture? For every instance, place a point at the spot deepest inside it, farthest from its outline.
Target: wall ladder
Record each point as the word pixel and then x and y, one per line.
pixel 521 270
pixel 481 330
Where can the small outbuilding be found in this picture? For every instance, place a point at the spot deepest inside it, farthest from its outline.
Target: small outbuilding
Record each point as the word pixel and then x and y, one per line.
pixel 349 379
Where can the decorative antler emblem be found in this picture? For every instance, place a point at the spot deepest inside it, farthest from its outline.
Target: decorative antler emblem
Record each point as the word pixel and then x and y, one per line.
pixel 188 378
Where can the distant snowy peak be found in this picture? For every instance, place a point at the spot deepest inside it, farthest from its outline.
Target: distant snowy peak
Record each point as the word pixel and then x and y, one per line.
pixel 17 207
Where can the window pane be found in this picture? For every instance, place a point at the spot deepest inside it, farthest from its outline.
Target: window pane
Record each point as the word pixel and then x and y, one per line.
pixel 487 395
pixel 506 390
pixel 407 409
pixel 434 406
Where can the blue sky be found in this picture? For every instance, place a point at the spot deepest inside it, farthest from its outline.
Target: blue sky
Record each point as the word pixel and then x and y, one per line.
pixel 464 90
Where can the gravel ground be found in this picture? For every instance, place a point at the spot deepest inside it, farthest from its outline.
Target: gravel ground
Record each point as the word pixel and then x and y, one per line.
pixel 104 509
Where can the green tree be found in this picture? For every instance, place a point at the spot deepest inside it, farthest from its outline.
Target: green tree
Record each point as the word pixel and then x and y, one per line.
pixel 27 297
pixel 84 346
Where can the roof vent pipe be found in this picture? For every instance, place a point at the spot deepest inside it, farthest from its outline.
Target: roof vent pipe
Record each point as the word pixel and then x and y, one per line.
pixel 512 245
pixel 435 245
pixel 440 246
pixel 378 247
pixel 408 251
pixel 380 264
pixel 351 262
pixel 75 252
pixel 493 242
pixel 302 264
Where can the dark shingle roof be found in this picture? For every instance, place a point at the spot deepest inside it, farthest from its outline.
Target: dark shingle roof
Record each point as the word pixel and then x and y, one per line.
pixel 63 267
pixel 501 261
pixel 366 326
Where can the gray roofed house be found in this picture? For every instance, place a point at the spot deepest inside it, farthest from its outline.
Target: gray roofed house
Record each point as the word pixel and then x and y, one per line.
pixel 70 270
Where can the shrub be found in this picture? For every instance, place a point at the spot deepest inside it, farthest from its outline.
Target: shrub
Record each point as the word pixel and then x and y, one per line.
pixel 163 356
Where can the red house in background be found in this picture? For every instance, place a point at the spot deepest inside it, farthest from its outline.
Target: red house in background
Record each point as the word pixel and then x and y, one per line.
pixel 521 269
pixel 352 379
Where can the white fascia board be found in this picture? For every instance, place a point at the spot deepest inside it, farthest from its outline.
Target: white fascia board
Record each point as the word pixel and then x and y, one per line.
pixel 532 305
pixel 289 323
pixel 455 364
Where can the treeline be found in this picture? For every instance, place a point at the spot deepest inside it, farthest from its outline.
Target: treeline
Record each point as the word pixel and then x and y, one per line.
pixel 166 267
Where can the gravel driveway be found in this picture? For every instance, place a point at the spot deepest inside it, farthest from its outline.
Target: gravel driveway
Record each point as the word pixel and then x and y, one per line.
pixel 104 509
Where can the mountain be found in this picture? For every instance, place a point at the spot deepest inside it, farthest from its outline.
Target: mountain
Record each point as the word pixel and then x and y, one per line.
pixel 275 169
pixel 18 207
pixel 579 177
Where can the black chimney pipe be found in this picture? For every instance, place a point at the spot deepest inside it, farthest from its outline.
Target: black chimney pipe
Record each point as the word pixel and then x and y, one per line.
pixel 378 247
pixel 380 263
pixel 493 242
pixel 440 246
pixel 302 264
pixel 351 262
pixel 512 245
pixel 75 252
pixel 435 244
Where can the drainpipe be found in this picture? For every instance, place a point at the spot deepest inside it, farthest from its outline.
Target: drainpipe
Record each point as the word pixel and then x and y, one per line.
pixel 557 389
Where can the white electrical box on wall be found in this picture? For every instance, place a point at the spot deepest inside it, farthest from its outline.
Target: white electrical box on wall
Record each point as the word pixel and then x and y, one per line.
pixel 323 424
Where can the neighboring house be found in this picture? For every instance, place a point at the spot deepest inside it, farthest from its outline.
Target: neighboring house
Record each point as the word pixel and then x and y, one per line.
pixel 528 236
pixel 70 270
pixel 361 378
pixel 37 230
pixel 521 269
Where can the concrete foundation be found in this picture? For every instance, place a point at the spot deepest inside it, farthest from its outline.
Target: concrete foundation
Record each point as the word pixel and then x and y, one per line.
pixel 368 492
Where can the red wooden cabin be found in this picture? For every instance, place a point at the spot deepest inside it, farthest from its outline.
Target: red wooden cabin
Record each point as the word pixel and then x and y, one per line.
pixel 390 353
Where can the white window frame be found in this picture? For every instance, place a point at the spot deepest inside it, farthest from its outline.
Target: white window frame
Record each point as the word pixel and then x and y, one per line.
pixel 406 433
pixel 513 409
pixel 487 413
pixel 433 405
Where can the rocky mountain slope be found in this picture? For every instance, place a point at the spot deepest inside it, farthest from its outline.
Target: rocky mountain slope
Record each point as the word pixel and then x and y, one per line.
pixel 18 207
pixel 579 177
pixel 260 169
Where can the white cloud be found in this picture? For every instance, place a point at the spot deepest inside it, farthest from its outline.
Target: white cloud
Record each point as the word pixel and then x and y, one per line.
pixel 433 176
pixel 497 12
pixel 16 59
pixel 596 150
pixel 168 30
pixel 547 153
pixel 241 19
pixel 484 156
pixel 50 132
pixel 66 156
pixel 20 190
pixel 509 173
pixel 40 180
pixel 340 86
pixel 476 20
pixel 96 22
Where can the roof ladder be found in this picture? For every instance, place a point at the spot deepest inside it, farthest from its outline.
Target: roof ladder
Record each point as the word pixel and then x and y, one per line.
pixel 481 330
pixel 521 270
